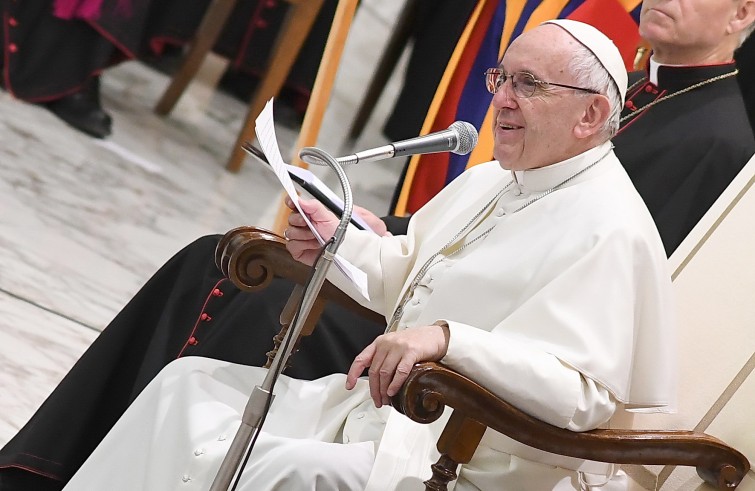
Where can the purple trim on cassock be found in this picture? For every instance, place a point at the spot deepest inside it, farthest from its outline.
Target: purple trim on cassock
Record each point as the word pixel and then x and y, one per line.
pixel 86 9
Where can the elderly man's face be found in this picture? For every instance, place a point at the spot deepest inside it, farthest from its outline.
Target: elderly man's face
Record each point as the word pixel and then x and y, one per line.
pixel 683 28
pixel 538 130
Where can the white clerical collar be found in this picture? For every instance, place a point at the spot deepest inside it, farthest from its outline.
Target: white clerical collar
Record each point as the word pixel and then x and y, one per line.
pixel 544 178
pixel 653 70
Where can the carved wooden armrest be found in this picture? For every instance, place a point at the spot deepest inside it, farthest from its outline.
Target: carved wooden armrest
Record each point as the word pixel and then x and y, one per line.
pixel 431 386
pixel 251 257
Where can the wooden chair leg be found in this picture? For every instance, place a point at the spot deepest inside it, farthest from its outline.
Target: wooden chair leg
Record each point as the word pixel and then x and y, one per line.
pixel 388 60
pixel 206 36
pixel 287 320
pixel 457 445
pixel 299 21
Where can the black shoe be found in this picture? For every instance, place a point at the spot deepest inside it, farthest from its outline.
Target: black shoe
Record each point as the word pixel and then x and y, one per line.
pixel 82 110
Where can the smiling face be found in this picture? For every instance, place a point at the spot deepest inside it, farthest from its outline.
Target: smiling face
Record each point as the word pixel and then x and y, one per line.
pixel 547 127
pixel 694 31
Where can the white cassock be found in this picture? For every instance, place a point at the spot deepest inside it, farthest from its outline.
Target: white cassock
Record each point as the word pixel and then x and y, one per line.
pixel 563 309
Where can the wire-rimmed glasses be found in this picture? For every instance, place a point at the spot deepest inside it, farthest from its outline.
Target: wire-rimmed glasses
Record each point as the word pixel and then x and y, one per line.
pixel 524 84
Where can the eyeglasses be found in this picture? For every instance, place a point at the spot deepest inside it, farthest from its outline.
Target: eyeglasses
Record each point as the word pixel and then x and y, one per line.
pixel 524 83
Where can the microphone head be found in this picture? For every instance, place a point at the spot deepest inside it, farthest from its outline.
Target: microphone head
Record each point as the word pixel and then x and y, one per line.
pixel 466 137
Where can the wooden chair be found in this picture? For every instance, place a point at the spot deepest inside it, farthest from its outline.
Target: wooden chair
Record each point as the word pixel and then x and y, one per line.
pixel 297 25
pixel 251 257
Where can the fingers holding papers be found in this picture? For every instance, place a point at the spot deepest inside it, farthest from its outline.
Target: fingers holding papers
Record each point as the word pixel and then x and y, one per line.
pixel 301 241
pixel 376 223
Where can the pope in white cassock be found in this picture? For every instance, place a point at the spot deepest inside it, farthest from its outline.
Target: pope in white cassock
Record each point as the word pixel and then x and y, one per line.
pixel 540 275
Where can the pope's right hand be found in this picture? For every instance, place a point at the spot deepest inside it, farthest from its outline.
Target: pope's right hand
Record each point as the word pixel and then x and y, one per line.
pixel 302 243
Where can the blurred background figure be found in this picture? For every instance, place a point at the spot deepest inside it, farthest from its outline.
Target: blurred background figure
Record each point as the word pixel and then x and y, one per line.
pixel 55 50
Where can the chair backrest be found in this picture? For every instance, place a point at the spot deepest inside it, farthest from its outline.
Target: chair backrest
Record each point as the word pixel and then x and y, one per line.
pixel 714 283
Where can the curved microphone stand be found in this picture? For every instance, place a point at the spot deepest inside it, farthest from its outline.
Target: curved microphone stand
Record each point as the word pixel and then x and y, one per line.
pixel 256 407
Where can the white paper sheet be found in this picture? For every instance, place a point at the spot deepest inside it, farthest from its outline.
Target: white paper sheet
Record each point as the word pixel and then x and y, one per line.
pixel 265 130
pixel 313 180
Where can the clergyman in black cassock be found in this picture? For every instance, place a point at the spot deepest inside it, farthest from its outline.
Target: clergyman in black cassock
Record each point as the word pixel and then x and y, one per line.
pixel 683 151
pixel 48 58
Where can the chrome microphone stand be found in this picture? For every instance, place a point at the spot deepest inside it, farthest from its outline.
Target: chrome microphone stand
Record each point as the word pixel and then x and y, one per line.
pixel 258 400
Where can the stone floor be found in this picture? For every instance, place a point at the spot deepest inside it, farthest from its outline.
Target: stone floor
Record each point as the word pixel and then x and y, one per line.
pixel 83 222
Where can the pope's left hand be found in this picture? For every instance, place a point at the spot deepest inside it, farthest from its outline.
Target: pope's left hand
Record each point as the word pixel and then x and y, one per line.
pixel 391 357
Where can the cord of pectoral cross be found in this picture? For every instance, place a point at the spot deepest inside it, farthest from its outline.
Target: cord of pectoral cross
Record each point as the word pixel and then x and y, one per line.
pixel 673 94
pixel 431 261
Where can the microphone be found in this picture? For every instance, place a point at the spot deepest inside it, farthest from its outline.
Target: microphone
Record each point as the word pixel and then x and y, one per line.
pixel 459 138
